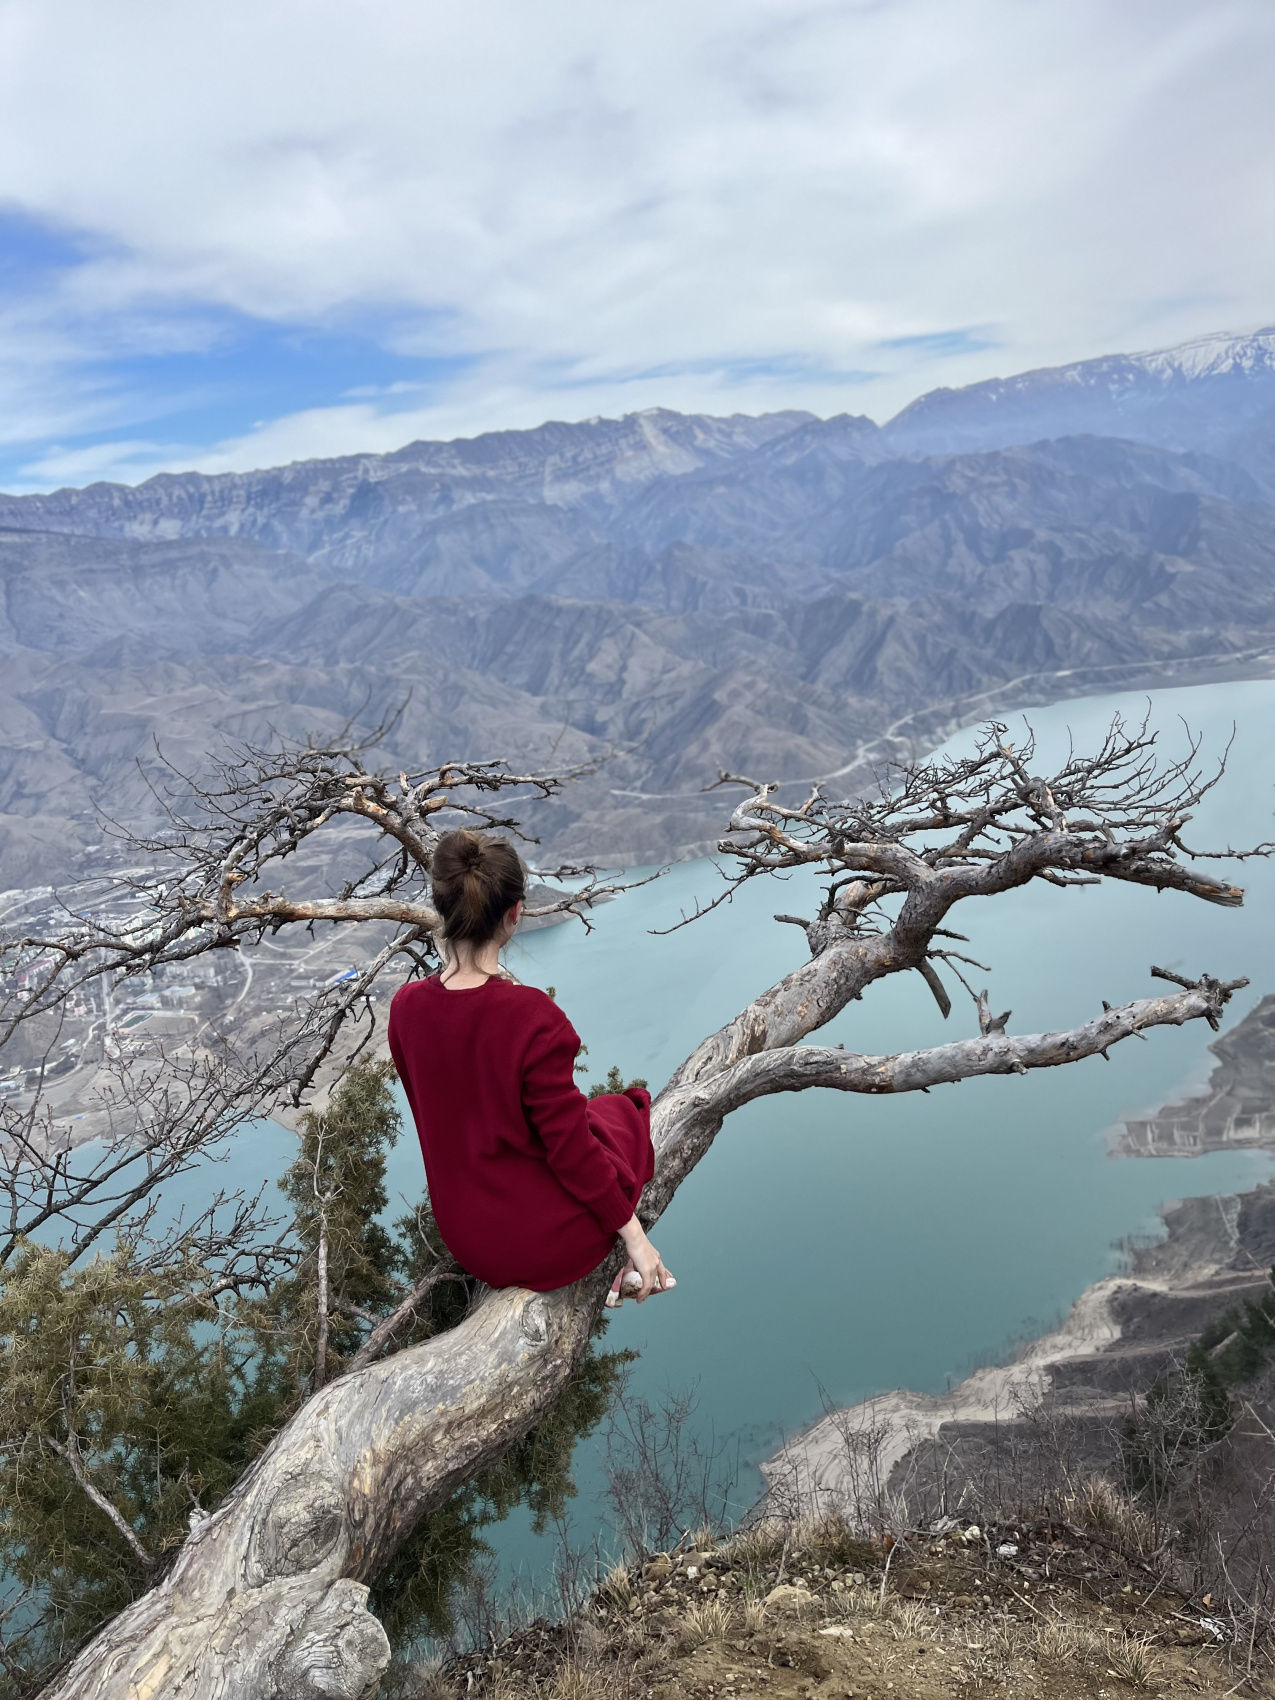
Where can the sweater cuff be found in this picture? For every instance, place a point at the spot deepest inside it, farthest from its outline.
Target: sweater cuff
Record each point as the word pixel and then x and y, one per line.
pixel 613 1210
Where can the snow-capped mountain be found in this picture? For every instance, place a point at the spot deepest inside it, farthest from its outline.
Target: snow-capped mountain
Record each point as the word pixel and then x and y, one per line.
pixel 1216 393
pixel 1205 357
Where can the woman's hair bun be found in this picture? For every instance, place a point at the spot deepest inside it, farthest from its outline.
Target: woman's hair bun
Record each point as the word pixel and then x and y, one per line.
pixel 476 880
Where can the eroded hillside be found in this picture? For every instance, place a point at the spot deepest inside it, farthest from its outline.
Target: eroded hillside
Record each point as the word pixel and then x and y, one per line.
pixel 667 595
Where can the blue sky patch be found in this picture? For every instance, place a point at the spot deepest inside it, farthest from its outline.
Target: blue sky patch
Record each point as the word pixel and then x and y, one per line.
pixel 792 367
pixel 32 250
pixel 941 343
pixel 192 375
pixel 249 371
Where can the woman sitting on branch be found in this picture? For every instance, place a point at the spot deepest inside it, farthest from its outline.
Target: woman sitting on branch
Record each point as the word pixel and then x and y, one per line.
pixel 529 1181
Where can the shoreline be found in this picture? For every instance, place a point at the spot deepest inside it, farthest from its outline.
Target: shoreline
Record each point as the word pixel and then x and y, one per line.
pixel 847 1455
pixel 931 726
pixel 1120 1330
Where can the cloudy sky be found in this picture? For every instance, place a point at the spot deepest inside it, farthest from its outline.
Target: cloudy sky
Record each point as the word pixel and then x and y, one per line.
pixel 240 232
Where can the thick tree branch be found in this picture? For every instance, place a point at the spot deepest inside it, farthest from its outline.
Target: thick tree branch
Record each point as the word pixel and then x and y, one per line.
pixel 798 1067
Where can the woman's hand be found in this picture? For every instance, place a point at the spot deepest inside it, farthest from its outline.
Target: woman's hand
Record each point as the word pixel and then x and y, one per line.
pixel 645 1259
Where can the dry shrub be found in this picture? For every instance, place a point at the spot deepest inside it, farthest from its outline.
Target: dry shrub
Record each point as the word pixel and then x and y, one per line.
pixel 859 1489
pixel 1099 1504
pixel 430 1680
pixel 662 1479
pixel 758 1544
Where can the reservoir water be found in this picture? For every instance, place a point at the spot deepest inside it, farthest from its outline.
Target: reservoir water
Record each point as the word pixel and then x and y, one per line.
pixel 852 1244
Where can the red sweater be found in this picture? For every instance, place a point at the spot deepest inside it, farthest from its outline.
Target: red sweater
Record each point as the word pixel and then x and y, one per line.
pixel 529 1180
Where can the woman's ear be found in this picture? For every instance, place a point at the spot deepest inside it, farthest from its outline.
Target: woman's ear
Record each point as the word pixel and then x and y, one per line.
pixel 514 916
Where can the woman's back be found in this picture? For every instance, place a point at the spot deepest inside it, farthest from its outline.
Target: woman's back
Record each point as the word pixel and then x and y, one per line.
pixel 529 1181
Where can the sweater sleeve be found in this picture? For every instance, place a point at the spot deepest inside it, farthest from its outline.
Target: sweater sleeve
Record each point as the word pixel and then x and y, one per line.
pixel 558 1111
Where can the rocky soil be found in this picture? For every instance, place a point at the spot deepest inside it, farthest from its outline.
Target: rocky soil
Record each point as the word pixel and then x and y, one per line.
pixel 1064 1610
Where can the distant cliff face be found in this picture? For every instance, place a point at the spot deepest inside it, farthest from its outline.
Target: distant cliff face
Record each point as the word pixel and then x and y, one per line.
pixel 358 511
pixel 678 593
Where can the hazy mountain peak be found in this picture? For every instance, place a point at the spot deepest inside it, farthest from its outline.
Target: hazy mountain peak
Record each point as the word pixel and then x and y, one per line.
pixel 1195 395
pixel 1213 356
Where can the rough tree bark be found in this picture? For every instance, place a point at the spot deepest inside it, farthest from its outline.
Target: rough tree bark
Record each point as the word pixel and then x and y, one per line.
pixel 267 1598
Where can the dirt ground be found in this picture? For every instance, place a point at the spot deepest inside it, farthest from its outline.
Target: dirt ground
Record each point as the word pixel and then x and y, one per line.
pixel 1049 1612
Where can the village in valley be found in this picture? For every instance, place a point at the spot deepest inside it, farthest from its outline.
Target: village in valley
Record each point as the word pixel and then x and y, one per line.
pixel 64 1059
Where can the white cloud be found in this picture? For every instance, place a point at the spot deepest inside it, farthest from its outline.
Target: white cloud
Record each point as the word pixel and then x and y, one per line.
pixel 574 194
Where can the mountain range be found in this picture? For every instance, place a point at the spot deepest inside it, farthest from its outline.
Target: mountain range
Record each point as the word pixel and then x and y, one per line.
pixel 782 595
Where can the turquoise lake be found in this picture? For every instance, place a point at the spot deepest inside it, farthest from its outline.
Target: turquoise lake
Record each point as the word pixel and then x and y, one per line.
pixel 853 1244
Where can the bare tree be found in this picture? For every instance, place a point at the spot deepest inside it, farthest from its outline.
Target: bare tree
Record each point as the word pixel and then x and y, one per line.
pixel 201 888
pixel 156 1117
pixel 268 1595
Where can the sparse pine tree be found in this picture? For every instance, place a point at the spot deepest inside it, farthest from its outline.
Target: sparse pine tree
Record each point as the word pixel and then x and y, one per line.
pixel 348 1258
pixel 614 1082
pixel 128 1401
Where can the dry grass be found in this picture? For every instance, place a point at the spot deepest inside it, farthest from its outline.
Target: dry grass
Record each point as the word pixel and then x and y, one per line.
pixel 1099 1504
pixel 993 1652
pixel 757 1545
pixel 909 1620
pixel 616 1587
pixel 856 1603
pixel 702 1539
pixel 575 1681
pixel 947 1627
pixel 710 1620
pixel 752 1613
pixel 1134 1660
pixel 630 1637
pixel 1062 1641
pixel 835 1542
